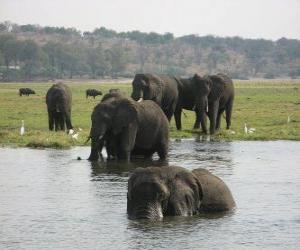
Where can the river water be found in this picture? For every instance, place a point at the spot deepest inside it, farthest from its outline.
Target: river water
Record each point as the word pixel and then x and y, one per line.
pixel 50 200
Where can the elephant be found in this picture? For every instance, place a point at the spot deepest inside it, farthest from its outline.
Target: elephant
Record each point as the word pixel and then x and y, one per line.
pixel 26 91
pixel 92 92
pixel 112 93
pixel 214 95
pixel 186 100
pixel 156 192
pixel 129 128
pixel 59 102
pixel 161 89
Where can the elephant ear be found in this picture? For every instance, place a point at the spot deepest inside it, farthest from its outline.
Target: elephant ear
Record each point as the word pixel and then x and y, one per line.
pixel 217 88
pixel 126 113
pixel 155 87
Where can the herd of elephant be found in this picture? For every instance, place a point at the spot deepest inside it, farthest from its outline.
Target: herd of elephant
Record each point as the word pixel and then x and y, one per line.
pixel 139 127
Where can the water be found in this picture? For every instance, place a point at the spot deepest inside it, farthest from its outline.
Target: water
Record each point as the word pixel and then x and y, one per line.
pixel 49 200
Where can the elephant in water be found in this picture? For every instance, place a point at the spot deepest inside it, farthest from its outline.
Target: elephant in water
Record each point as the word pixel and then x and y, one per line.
pixel 161 89
pixel 129 128
pixel 59 104
pixel 155 192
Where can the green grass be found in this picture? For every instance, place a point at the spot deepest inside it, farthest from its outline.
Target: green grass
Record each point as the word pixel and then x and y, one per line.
pixel 264 105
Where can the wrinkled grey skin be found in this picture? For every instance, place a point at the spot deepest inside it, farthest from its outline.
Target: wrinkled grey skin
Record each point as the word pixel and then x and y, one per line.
pixel 130 128
pixel 215 94
pixel 92 92
pixel 59 102
pixel 156 192
pixel 161 89
pixel 26 91
pixel 107 139
pixel 187 100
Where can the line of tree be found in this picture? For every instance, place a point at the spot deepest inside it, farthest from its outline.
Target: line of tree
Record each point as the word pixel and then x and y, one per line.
pixel 29 52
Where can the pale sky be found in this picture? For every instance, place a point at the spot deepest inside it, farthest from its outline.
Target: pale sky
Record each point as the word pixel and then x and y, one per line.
pixel 269 19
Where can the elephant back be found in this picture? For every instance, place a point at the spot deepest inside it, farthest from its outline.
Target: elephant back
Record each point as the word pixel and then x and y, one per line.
pixel 216 195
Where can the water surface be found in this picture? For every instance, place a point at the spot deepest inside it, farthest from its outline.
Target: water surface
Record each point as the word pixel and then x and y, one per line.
pixel 49 200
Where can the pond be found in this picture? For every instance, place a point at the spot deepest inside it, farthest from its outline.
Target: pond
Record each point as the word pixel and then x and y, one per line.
pixel 50 200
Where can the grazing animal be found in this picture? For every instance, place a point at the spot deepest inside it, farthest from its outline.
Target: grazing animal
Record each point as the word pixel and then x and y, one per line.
pixel 155 192
pixel 26 91
pixel 92 92
pixel 59 104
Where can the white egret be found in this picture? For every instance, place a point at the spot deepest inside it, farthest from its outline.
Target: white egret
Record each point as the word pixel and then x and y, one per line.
pixel 246 129
pixel 22 129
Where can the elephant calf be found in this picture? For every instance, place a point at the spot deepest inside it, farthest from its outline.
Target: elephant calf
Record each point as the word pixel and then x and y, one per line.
pixel 92 92
pixel 155 192
pixel 26 91
pixel 129 128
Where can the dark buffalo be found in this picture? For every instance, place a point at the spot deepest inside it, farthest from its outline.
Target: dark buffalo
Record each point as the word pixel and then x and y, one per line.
pixel 26 91
pixel 93 93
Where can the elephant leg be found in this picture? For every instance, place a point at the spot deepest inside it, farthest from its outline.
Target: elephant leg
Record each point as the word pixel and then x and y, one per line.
pixel 218 122
pixel 213 112
pixel 56 121
pixel 62 122
pixel 50 120
pixel 162 151
pixel 197 121
pixel 68 122
pixel 177 116
pixel 128 141
pixel 204 124
pixel 228 112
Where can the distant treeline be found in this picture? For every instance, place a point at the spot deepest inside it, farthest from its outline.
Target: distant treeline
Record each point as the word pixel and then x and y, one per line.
pixel 30 52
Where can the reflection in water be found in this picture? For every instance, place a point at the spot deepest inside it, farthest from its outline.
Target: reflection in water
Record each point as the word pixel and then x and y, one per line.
pixel 51 200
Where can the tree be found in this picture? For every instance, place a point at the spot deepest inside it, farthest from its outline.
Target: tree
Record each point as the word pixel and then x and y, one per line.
pixel 31 56
pixel 117 59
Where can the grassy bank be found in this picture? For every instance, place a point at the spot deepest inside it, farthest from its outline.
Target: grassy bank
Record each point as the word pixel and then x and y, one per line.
pixel 263 105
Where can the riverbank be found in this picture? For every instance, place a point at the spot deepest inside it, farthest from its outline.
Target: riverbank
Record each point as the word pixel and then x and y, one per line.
pixel 271 107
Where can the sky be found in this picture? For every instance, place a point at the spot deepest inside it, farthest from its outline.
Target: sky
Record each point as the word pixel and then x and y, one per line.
pixel 268 19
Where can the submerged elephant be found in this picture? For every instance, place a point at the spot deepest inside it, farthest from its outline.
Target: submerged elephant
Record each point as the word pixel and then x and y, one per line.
pixel 26 91
pixel 155 192
pixel 129 128
pixel 92 92
pixel 59 102
pixel 161 89
pixel 215 94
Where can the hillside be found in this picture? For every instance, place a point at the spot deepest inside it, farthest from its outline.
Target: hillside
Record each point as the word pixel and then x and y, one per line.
pixel 29 52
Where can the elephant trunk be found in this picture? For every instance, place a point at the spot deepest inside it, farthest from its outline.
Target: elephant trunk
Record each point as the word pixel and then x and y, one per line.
pixel 201 106
pixel 96 145
pixel 137 95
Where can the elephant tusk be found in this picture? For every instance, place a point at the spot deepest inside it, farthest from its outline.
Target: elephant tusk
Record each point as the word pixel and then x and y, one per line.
pixel 207 109
pixel 141 99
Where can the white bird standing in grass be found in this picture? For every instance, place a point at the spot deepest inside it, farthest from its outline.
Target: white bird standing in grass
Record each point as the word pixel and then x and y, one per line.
pixel 246 129
pixel 289 119
pixel 75 136
pixel 22 129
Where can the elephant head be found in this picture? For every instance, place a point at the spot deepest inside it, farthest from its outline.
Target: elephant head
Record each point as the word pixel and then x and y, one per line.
pixel 146 87
pixel 208 89
pixel 109 119
pixel 156 192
